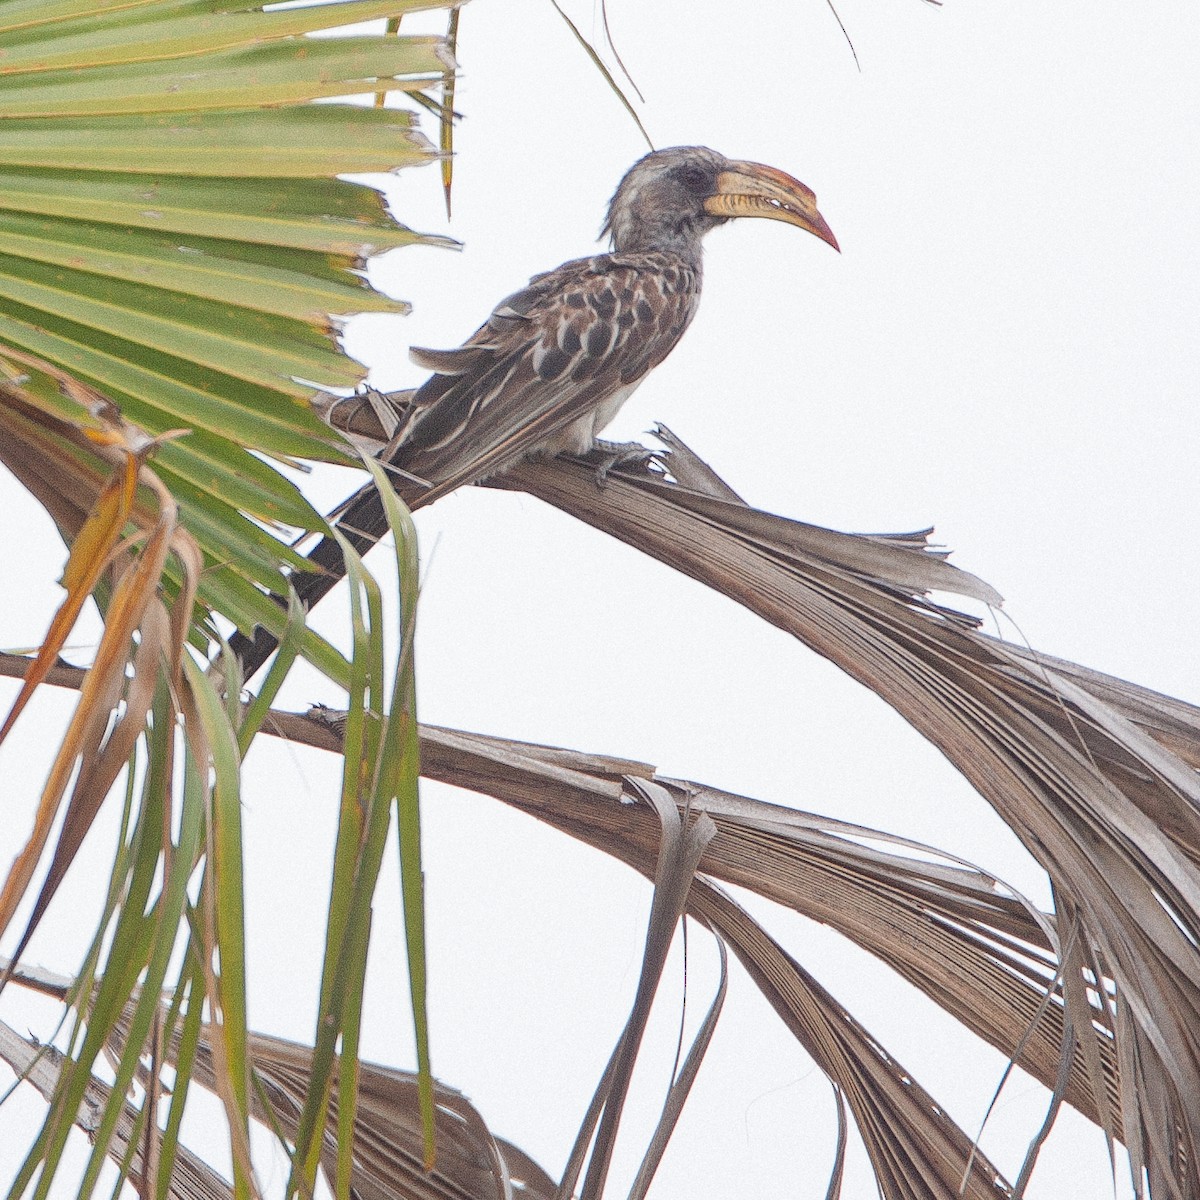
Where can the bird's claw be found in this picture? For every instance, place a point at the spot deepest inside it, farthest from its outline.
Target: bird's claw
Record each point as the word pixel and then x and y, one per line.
pixel 613 455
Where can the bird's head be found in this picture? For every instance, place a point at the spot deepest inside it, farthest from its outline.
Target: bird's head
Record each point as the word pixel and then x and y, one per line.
pixel 671 198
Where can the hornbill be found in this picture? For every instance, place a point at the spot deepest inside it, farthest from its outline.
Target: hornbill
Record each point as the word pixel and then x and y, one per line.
pixel 554 362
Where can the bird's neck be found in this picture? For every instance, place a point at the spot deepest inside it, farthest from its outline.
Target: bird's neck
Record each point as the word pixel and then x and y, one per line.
pixel 682 240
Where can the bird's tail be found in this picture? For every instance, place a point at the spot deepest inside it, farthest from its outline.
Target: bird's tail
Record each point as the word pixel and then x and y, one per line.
pixel 377 423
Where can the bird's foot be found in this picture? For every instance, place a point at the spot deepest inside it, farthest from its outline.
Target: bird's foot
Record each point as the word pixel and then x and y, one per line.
pixel 611 455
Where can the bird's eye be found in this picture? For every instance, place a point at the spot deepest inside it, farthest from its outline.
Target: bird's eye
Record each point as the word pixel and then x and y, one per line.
pixel 695 178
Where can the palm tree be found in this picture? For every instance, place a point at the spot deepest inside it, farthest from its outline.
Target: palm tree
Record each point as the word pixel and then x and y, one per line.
pixel 153 287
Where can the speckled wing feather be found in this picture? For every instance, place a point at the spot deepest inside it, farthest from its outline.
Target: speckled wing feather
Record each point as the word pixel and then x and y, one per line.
pixel 534 378
pixel 546 372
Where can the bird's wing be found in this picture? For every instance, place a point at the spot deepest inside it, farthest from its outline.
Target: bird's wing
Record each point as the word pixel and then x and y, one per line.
pixel 546 356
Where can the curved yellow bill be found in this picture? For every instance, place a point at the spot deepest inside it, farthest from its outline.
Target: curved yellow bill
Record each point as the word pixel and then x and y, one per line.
pixel 752 190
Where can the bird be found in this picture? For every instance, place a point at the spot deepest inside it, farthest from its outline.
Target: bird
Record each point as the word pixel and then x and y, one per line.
pixel 554 362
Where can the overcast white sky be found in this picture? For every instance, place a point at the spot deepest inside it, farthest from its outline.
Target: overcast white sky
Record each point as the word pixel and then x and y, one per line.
pixel 1006 349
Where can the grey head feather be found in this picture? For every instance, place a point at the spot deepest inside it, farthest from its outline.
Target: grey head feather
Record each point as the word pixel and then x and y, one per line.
pixel 659 204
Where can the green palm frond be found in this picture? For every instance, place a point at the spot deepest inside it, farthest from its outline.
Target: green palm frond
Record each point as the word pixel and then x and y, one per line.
pixel 173 233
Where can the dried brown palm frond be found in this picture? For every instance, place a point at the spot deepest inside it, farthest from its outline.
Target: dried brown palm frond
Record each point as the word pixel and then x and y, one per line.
pixel 389 1141
pixel 41 1066
pixel 472 1163
pixel 973 948
pixel 1099 785
pixel 952 931
pixel 1110 811
pixel 388 1159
